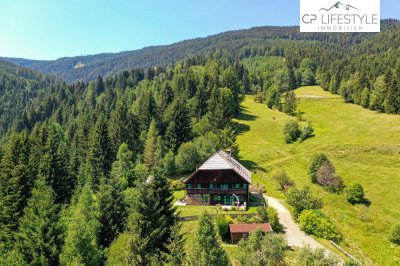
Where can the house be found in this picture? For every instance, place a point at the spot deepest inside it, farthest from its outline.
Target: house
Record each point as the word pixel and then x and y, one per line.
pixel 220 180
pixel 239 231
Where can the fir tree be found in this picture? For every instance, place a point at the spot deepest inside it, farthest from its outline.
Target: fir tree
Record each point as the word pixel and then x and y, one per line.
pixel 99 157
pixel 150 147
pixel 81 246
pixel 113 211
pixel 38 238
pixel 205 248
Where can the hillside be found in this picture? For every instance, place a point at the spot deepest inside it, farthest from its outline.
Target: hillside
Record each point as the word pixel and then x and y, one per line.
pixel 364 147
pixel 89 67
pixel 20 89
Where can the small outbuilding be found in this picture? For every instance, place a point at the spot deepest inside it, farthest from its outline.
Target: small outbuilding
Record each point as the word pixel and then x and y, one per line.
pixel 239 231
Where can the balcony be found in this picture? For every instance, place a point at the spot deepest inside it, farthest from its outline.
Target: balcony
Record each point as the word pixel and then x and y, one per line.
pixel 217 191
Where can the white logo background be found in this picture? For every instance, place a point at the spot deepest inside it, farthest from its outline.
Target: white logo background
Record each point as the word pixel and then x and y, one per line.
pixel 339 15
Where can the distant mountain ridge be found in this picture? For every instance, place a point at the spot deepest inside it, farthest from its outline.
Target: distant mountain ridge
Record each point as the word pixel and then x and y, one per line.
pixel 87 68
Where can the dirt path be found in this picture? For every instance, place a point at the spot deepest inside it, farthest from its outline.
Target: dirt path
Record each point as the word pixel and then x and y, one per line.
pixel 294 236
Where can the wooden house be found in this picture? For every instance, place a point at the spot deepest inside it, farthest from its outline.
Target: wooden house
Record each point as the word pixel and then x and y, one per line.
pixel 239 231
pixel 220 180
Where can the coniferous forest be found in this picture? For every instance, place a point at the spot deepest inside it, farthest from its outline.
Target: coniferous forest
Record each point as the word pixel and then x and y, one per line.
pixel 87 159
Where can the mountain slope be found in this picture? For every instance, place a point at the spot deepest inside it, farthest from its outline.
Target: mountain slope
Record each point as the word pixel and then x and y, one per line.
pixel 363 152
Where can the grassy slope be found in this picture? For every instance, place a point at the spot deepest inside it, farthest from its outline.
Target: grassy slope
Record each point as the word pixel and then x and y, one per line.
pixel 364 147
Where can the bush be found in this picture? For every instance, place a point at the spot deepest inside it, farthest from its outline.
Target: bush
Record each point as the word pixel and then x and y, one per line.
pixel 326 176
pixel 355 194
pixel 291 131
pixel 261 249
pixel 176 185
pixel 306 132
pixel 395 235
pixel 302 199
pixel 317 161
pixel 222 226
pixel 262 214
pixel 308 256
pixel 284 181
pixel 273 220
pixel 315 222
pixel 187 158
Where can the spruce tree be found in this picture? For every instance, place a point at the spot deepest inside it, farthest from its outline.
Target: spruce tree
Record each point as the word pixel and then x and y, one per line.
pixel 113 211
pixel 99 158
pixel 38 238
pixel 53 164
pixel 81 245
pixel 150 147
pixel 179 125
pixel 205 248
pixel 15 186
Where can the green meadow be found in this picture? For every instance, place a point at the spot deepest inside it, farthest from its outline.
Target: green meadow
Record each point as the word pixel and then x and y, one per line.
pixel 363 145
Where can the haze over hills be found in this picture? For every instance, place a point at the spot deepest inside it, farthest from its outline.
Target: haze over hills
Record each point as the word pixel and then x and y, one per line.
pixel 90 67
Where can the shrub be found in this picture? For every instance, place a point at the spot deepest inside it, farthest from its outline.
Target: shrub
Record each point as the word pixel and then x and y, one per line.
pixel 262 214
pixel 273 220
pixel 222 226
pixel 326 176
pixel 395 235
pixel 176 185
pixel 261 249
pixel 187 158
pixel 302 199
pixel 355 194
pixel 308 256
pixel 315 222
pixel 284 181
pixel 306 132
pixel 291 131
pixel 317 161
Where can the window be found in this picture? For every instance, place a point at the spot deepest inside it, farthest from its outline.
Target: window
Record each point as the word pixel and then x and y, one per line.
pixel 217 198
pixel 189 185
pixel 198 185
pixel 237 185
pixel 224 186
pixel 244 185
pixel 211 185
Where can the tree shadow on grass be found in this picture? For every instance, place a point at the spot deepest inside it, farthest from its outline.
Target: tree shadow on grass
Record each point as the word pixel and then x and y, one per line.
pixel 245 115
pixel 252 166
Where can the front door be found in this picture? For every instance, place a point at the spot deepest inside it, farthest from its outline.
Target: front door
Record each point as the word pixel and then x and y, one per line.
pixel 227 200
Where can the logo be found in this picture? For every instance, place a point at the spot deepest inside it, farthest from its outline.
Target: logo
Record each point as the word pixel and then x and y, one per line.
pixel 352 16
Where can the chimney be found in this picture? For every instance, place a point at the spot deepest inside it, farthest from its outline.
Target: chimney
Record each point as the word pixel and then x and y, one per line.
pixel 229 152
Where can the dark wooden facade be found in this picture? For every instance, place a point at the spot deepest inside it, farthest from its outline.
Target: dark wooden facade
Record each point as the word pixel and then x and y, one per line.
pixel 211 187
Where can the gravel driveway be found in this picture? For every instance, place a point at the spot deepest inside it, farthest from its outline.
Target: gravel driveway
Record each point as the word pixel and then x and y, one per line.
pixel 294 236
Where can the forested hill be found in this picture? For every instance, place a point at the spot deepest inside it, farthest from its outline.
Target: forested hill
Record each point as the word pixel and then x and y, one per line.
pixel 90 67
pixel 20 90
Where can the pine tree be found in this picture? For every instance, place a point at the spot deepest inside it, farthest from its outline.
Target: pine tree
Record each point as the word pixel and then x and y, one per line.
pixel 179 125
pixel 38 238
pixel 81 245
pixel 113 211
pixel 99 157
pixel 53 164
pixel 16 182
pixel 150 146
pixel 205 248
pixel 175 247
pixel 123 168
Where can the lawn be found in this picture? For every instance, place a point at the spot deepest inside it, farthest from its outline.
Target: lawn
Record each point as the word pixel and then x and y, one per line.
pixel 191 210
pixel 363 145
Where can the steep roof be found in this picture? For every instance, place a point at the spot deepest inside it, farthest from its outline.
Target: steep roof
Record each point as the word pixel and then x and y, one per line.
pixel 223 161
pixel 248 228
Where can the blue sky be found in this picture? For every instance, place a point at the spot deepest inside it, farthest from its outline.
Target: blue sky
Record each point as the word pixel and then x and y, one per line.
pixel 49 29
